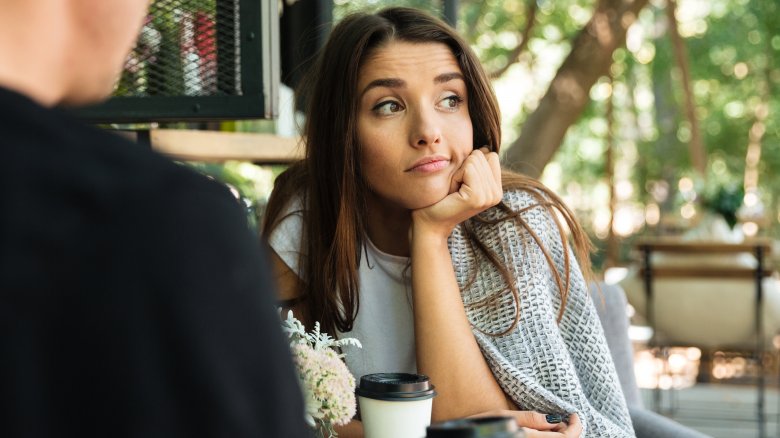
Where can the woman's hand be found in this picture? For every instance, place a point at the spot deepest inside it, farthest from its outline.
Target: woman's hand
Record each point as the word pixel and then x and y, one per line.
pixel 475 187
pixel 536 425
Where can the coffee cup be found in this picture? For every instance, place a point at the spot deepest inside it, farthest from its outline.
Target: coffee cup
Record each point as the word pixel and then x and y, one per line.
pixel 394 405
pixel 483 427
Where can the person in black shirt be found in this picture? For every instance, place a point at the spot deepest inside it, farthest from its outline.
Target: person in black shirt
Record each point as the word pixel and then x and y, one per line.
pixel 134 301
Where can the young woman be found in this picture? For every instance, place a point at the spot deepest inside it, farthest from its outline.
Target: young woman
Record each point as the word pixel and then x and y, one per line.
pixel 399 228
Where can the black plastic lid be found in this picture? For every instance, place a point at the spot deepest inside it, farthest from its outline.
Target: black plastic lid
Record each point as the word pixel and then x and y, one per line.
pixel 396 387
pixel 484 427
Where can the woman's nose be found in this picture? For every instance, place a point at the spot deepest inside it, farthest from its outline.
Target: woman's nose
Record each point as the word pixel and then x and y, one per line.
pixel 425 129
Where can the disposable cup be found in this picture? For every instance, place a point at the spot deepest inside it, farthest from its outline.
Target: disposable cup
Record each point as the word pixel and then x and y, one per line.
pixel 395 405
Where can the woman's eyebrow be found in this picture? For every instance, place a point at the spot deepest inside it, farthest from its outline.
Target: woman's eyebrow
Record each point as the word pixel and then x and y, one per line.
pixel 400 83
pixel 384 82
pixel 446 77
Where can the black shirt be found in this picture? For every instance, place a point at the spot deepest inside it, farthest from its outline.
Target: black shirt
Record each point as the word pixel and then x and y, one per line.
pixel 134 301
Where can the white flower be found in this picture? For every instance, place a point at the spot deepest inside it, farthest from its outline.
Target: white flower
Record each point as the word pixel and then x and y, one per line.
pixel 327 384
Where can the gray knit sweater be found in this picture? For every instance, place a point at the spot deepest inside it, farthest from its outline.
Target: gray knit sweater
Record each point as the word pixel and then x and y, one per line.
pixel 541 364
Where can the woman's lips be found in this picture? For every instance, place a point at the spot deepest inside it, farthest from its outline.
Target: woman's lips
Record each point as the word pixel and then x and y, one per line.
pixel 429 165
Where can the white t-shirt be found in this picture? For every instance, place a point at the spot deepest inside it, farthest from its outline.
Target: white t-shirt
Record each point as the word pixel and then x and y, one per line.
pixel 385 319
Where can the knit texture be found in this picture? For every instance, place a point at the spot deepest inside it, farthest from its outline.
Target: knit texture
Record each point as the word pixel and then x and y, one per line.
pixel 541 364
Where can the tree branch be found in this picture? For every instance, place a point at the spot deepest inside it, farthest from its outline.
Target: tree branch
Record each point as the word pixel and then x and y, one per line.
pixel 471 26
pixel 565 100
pixel 525 36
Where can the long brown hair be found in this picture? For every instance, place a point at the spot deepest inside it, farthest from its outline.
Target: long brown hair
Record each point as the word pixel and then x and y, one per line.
pixel 329 180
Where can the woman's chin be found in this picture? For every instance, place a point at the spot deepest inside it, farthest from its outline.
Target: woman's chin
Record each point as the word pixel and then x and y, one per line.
pixel 413 197
pixel 428 198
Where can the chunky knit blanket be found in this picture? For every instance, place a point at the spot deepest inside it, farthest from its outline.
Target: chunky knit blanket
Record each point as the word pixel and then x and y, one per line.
pixel 541 364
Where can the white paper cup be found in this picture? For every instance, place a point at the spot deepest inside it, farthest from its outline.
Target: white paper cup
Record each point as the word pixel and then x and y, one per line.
pixel 394 405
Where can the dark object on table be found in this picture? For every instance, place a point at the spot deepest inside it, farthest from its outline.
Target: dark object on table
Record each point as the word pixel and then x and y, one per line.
pixel 484 427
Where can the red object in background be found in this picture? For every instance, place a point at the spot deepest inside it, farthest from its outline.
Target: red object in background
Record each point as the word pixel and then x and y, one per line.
pixel 206 46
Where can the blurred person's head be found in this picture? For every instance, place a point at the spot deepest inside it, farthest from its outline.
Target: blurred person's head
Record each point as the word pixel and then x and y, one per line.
pixel 66 51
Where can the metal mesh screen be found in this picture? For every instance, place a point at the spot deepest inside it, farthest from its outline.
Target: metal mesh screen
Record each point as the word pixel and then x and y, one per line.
pixel 186 48
pixel 198 60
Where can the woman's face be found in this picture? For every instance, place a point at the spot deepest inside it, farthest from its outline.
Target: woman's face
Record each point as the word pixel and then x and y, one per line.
pixel 413 123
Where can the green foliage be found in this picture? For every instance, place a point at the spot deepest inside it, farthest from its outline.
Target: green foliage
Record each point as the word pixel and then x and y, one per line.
pixel 734 71
pixel 493 26
pixel 345 7
pixel 250 184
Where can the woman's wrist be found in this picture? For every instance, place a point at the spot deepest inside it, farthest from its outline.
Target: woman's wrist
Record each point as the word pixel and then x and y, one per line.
pixel 428 235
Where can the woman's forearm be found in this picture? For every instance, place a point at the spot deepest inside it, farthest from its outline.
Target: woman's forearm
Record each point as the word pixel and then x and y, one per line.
pixel 446 348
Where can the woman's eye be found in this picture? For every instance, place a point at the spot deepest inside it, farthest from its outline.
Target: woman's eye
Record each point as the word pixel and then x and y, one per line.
pixel 387 108
pixel 452 102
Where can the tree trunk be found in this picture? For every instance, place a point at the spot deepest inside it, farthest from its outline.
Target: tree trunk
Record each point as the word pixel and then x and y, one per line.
pixel 695 144
pixel 758 129
pixel 565 100
pixel 613 246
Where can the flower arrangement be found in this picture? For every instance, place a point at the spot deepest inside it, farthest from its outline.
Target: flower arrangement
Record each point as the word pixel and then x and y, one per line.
pixel 328 386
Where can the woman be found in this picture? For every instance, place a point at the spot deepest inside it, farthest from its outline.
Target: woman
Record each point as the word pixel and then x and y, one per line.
pixel 400 229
